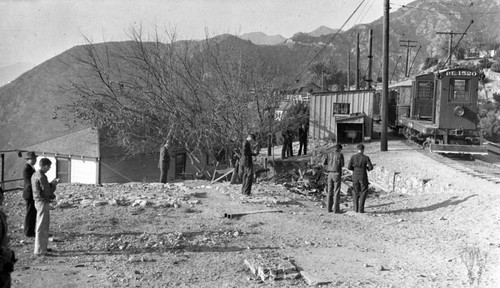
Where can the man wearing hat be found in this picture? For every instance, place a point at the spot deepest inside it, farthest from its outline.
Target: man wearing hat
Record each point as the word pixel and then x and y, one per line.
pixel 30 219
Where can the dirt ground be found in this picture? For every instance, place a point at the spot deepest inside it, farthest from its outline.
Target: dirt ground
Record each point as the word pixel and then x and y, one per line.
pixel 175 235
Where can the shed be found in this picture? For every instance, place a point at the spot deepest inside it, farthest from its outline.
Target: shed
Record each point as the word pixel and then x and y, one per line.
pixel 80 157
pixel 346 116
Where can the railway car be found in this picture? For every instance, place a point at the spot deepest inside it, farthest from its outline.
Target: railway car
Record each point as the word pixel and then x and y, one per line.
pixel 439 110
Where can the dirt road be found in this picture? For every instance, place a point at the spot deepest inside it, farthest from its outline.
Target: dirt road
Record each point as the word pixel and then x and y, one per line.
pixel 150 235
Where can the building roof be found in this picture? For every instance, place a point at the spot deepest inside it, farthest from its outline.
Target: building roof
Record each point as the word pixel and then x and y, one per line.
pixel 84 143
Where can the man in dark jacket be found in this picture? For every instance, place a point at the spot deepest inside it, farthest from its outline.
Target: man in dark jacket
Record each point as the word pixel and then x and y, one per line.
pixel 289 150
pixel 333 164
pixel 359 164
pixel 303 139
pixel 164 162
pixel 30 219
pixel 247 154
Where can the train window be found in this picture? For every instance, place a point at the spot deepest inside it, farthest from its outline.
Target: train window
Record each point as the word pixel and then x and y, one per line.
pixel 425 90
pixel 459 90
pixel 341 108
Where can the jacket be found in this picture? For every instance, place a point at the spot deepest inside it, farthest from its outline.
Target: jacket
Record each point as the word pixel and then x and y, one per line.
pixel 43 191
pixel 164 161
pixel 247 155
pixel 334 162
pixel 27 173
pixel 359 164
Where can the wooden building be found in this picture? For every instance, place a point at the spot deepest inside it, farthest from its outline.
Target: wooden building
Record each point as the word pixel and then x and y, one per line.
pixel 346 116
pixel 80 157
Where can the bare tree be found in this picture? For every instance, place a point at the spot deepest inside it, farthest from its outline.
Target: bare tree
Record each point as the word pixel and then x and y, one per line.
pixel 201 95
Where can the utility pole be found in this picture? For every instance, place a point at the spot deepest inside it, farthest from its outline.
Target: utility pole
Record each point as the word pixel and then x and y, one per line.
pixel 408 48
pixel 385 78
pixel 370 57
pixel 357 63
pixel 450 43
pixel 349 70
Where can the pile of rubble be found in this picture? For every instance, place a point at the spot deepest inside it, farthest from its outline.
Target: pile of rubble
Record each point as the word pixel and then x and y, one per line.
pixel 130 194
pixel 272 267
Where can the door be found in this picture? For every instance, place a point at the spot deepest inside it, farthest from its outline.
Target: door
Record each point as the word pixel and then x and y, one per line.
pixel 180 165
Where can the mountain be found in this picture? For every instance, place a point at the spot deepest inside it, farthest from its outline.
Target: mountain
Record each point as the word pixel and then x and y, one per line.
pixel 11 72
pixel 28 111
pixel 322 30
pixel 260 38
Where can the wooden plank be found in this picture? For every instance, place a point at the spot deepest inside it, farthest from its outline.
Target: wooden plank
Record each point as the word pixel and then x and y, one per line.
pixel 230 171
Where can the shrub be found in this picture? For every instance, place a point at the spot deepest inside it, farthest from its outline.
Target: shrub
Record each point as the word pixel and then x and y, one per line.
pixel 495 67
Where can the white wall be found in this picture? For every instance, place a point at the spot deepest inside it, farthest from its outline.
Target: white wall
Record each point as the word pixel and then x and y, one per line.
pixel 83 171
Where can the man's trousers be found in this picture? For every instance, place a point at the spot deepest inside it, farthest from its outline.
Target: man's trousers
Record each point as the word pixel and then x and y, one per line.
pixel 333 195
pixel 42 227
pixel 359 192
pixel 246 187
pixel 30 219
pixel 164 174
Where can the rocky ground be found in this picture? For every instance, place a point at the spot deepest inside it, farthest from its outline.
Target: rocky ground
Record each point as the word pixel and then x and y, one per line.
pixel 427 225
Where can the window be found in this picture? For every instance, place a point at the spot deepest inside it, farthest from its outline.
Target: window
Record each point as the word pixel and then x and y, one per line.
pixel 63 170
pixel 425 90
pixel 459 90
pixel 341 108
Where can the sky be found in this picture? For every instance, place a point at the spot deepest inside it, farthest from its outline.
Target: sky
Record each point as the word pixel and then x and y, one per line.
pixel 33 31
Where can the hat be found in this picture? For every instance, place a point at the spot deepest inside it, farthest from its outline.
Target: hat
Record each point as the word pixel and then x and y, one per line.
pixel 31 155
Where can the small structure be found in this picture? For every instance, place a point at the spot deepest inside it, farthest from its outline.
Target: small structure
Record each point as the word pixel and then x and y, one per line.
pixel 80 157
pixel 346 116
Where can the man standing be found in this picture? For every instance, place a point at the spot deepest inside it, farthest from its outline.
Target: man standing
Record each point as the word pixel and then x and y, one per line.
pixel 164 162
pixel 43 194
pixel 334 162
pixel 359 164
pixel 30 219
pixel 289 149
pixel 284 149
pixel 303 139
pixel 7 255
pixel 247 164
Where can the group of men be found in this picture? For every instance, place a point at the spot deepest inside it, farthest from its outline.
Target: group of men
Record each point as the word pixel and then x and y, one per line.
pixel 38 192
pixel 333 164
pixel 359 164
pixel 288 135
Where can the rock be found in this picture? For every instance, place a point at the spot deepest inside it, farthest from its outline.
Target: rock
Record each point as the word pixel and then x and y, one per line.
pixel 97 203
pixel 144 203
pixel 113 202
pixel 63 204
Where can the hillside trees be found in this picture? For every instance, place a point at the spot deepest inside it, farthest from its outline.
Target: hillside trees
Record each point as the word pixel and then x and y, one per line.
pixel 328 72
pixel 489 113
pixel 204 96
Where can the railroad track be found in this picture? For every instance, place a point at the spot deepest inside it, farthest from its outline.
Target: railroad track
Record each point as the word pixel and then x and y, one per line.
pixel 477 168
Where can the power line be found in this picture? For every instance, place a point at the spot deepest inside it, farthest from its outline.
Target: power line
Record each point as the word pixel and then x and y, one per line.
pixel 329 41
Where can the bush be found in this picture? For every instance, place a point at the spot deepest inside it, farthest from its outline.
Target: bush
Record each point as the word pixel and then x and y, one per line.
pixel 495 67
pixel 484 63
